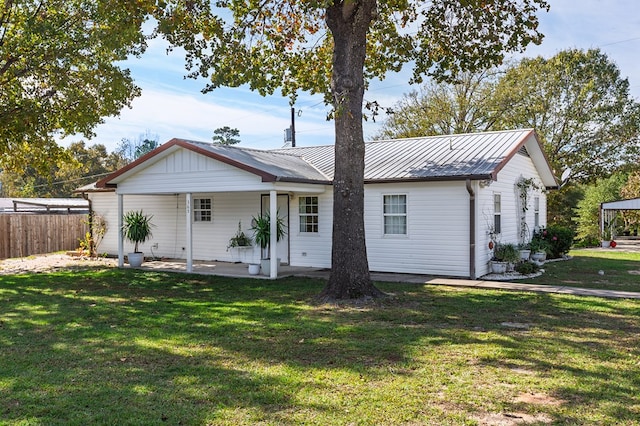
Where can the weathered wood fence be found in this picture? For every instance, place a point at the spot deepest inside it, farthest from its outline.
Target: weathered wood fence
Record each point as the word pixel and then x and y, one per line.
pixel 27 234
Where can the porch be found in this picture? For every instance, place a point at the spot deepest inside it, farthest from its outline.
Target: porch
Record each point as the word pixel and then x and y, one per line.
pixel 228 269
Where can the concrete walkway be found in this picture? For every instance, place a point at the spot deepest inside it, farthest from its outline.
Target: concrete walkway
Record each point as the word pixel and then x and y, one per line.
pixel 239 270
pixel 498 285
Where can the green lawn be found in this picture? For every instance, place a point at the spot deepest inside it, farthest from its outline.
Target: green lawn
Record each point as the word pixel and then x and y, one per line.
pixel 119 346
pixel 620 270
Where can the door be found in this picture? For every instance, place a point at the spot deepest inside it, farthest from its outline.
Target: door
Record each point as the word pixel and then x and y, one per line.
pixel 283 212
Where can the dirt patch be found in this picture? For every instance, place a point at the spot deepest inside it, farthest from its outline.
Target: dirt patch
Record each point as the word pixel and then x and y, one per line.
pixel 538 399
pixel 511 419
pixel 50 262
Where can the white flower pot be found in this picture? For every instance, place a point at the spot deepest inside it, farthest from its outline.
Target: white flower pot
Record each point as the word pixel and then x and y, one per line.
pixel 135 259
pixel 254 269
pixel 498 267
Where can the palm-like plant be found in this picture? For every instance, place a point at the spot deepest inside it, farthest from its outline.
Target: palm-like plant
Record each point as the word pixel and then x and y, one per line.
pixel 261 227
pixel 136 227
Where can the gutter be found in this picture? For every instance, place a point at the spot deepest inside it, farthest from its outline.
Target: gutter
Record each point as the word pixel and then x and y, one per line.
pixel 472 230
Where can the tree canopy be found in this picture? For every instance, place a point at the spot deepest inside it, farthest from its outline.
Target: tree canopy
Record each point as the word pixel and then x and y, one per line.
pixel 226 135
pixel 336 48
pixel 581 108
pixel 58 72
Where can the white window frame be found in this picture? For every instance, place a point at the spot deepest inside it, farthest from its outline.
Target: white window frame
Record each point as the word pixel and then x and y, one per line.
pixel 315 225
pixel 497 213
pixel 202 214
pixel 536 212
pixel 404 214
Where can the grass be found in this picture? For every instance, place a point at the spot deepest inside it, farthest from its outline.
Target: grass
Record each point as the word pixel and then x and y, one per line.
pixel 120 346
pixel 620 270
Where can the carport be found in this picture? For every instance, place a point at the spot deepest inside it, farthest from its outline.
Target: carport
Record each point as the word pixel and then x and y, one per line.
pixel 608 212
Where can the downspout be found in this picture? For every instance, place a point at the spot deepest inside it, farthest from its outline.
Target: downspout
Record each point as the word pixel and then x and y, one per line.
pixel 472 230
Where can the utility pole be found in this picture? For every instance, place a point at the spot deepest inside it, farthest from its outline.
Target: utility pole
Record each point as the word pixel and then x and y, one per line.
pixel 293 127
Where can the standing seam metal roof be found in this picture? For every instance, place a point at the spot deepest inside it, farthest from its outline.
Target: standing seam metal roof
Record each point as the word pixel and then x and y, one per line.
pixel 473 155
pixel 433 157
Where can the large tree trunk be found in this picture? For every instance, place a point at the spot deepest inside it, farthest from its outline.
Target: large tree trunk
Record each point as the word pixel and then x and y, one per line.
pixel 349 22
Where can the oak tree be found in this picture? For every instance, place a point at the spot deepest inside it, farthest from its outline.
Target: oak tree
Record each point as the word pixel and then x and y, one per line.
pixel 58 71
pixel 336 48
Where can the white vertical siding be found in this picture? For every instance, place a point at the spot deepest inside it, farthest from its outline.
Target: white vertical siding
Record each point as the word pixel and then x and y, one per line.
pixel 186 171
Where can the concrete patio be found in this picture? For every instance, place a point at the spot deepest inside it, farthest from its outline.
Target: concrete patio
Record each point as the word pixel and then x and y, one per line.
pixel 228 269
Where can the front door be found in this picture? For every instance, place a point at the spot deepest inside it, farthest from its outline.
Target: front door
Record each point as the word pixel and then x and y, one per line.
pixel 283 212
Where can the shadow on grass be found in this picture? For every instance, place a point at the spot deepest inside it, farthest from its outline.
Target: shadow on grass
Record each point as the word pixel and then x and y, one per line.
pixel 122 346
pixel 598 270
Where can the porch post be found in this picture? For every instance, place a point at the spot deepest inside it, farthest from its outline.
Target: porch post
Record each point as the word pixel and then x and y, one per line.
pixel 189 241
pixel 120 234
pixel 273 241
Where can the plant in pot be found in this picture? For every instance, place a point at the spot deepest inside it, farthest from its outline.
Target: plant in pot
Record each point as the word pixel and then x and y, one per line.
pixel 261 227
pixel 241 240
pixel 539 248
pixel 136 228
pixel 505 256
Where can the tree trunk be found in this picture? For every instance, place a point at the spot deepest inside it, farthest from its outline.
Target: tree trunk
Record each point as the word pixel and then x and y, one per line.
pixel 349 22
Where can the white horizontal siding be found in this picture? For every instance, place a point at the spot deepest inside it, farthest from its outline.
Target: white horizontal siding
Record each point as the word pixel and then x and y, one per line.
pixel 210 239
pixel 308 248
pixel 437 241
pixel 519 166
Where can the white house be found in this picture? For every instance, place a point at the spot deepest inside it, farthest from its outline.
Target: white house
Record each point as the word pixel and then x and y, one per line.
pixel 430 202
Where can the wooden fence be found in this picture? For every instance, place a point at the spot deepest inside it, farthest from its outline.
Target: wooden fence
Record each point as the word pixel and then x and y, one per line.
pixel 23 235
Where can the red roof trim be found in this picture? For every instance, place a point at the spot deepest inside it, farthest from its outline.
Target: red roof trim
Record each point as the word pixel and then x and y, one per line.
pixel 104 182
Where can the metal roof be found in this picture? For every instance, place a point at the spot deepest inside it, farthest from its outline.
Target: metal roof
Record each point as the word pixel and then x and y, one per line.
pixel 282 165
pixel 47 204
pixel 466 156
pixel 473 155
pixel 632 204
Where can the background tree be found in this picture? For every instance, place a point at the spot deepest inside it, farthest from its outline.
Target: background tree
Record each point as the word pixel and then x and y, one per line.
pixel 577 102
pixel 588 210
pixel 131 150
pixel 82 165
pixel 58 74
pixel 335 48
pixel 226 135
pixel 465 105
pixel 630 190
pixel 580 107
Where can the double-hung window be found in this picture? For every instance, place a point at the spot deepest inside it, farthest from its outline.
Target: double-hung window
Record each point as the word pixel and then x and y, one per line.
pixel 536 212
pixel 497 213
pixel 308 211
pixel 202 210
pixel 395 214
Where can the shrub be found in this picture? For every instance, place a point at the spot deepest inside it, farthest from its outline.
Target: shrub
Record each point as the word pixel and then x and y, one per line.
pixel 506 252
pixel 558 238
pixel 526 268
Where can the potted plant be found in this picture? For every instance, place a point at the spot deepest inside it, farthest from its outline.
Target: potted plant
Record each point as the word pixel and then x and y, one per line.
pixel 136 228
pixel 241 241
pixel 525 251
pixel 505 256
pixel 539 249
pixel 261 227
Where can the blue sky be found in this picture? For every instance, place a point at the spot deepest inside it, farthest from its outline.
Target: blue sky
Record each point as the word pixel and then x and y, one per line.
pixel 171 106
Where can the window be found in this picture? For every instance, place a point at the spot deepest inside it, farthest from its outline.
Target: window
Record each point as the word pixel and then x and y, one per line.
pixel 202 210
pixel 536 212
pixel 395 214
pixel 308 209
pixel 497 214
